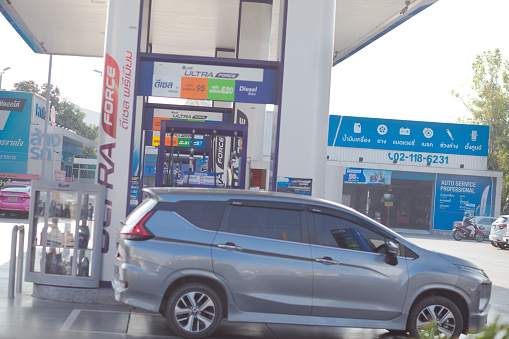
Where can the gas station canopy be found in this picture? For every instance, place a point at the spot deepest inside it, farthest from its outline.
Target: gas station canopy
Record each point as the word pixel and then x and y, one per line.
pixel 190 27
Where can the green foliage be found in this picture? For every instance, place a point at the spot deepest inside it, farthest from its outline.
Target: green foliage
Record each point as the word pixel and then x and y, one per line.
pixel 495 330
pixel 27 86
pixel 490 106
pixel 67 114
pixel 54 95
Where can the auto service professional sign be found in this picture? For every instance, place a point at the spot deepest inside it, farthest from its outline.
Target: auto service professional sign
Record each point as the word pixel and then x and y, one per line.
pixel 457 194
pixel 114 156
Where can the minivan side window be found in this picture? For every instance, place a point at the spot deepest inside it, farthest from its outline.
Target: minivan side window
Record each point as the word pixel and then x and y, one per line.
pixel 201 213
pixel 273 223
pixel 337 232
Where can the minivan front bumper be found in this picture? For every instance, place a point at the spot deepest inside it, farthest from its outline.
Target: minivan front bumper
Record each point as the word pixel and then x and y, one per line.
pixel 477 321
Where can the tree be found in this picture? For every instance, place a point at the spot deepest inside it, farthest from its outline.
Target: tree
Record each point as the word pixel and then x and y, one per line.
pixel 67 114
pixel 490 106
pixel 27 86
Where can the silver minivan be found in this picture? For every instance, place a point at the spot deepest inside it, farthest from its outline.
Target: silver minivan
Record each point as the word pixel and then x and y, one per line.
pixel 198 256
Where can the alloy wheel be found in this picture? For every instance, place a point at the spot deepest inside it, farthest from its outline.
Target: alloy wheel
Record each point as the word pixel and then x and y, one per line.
pixel 195 312
pixel 436 321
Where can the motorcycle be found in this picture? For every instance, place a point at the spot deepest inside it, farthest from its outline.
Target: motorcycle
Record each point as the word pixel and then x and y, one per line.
pixel 460 232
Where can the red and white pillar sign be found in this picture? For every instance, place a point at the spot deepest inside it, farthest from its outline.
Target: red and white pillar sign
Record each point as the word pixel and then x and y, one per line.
pixel 117 118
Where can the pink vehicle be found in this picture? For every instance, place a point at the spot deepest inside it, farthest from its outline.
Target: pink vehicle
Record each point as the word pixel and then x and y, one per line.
pixel 15 197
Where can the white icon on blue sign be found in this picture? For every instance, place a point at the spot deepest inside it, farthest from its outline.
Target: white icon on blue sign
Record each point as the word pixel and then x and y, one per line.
pixel 449 133
pixel 382 129
pixel 428 132
pixel 474 135
pixel 357 127
pixel 404 131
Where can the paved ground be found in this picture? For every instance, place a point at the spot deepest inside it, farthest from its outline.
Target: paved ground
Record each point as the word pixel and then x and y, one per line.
pixel 28 317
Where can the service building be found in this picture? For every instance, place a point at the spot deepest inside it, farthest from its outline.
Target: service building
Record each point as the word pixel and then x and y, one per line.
pixel 411 174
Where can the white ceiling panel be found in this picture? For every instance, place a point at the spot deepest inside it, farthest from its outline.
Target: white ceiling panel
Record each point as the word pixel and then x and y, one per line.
pixel 190 27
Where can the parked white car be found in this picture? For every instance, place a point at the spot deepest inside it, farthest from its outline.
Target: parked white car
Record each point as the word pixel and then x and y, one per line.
pixel 484 224
pixel 498 231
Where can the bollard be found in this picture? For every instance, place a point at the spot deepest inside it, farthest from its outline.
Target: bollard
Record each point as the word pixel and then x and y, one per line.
pixel 12 266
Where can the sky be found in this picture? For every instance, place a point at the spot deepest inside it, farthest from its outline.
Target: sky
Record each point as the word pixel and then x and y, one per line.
pixel 407 74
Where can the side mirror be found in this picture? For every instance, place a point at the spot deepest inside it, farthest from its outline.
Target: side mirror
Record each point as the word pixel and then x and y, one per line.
pixel 391 252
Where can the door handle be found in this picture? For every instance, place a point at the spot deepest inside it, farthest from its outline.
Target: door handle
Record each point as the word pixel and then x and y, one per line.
pixel 230 246
pixel 327 261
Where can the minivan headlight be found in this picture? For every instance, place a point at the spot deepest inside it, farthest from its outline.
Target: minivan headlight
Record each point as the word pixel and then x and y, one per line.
pixel 473 270
pixel 485 296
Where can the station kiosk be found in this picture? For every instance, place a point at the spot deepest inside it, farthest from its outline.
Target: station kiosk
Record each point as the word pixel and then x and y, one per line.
pixel 65 234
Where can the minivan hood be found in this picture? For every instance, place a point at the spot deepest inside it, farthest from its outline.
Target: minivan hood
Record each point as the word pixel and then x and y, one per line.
pixel 457 261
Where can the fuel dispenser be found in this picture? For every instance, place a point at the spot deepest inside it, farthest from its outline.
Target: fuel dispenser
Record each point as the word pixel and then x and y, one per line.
pixel 206 161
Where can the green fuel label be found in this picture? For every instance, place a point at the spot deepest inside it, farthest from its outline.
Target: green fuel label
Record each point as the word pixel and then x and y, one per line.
pixel 223 90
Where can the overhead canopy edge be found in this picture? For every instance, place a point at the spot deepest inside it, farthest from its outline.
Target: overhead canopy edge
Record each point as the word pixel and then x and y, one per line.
pixel 362 44
pixel 17 23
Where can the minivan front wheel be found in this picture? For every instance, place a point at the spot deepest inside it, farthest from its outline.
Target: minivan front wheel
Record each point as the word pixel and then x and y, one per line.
pixel 194 311
pixel 435 317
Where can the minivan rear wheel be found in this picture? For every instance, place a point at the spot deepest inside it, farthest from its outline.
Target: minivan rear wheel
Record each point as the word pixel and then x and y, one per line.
pixel 194 311
pixel 435 317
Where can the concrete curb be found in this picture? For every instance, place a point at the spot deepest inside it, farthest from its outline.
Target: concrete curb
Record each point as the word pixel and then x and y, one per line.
pixel 101 296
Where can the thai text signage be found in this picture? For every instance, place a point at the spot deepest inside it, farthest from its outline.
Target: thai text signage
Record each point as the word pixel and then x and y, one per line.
pixel 37 151
pixel 405 135
pixel 117 117
pixel 15 114
pixel 208 82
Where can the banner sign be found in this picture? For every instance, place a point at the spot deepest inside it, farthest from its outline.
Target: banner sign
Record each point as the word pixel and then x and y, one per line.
pixel 59 175
pixel 180 140
pixel 135 190
pixel 294 185
pixel 154 116
pixel 222 153
pixel 115 153
pixel 208 82
pixel 368 176
pixel 202 179
pixel 457 194
pixel 181 115
pixel 15 115
pixel 405 135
